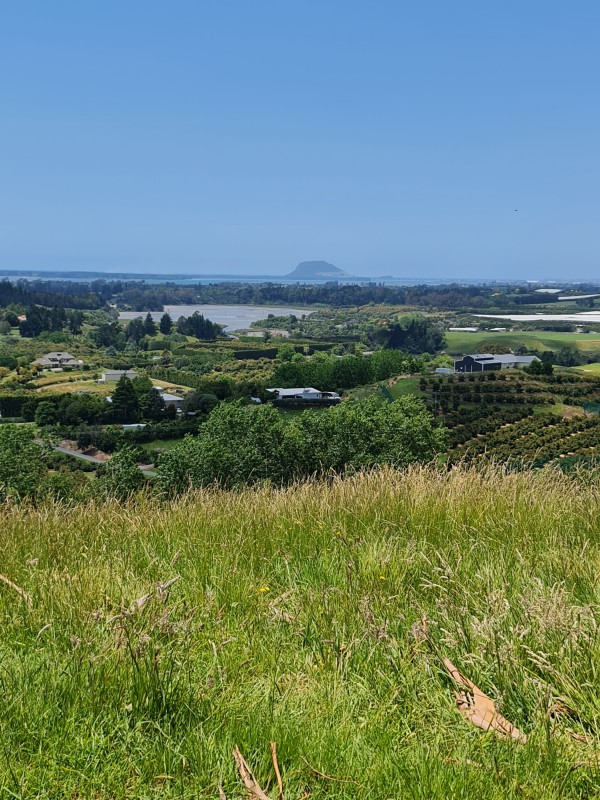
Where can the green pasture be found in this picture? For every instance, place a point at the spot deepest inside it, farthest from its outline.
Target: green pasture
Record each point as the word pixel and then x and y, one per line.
pixel 590 369
pixel 461 342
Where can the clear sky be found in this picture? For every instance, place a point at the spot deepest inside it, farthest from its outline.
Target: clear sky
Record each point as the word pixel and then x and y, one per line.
pixel 248 135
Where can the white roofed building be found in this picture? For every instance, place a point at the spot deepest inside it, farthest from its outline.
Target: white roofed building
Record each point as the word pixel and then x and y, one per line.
pixel 305 394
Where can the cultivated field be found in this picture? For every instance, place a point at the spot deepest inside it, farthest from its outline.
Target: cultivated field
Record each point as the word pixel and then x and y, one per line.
pixel 461 342
pixel 317 618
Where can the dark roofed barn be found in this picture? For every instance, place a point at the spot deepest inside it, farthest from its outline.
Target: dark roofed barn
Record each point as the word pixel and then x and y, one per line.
pixel 484 362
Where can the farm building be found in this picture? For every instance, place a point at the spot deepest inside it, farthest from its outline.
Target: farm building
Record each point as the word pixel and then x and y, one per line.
pixel 482 362
pixel 115 375
pixel 171 400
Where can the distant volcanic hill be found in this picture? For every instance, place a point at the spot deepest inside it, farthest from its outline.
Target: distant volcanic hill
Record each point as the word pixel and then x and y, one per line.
pixel 317 271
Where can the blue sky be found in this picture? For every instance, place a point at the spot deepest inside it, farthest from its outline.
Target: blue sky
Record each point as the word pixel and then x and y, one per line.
pixel 230 136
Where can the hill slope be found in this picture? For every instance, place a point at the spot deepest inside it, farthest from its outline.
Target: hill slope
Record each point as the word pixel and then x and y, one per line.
pixel 316 270
pixel 298 619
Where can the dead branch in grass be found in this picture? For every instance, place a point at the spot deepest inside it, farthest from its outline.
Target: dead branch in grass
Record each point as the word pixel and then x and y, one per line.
pixel 21 592
pixel 247 777
pixel 326 777
pixel 478 708
pixel 276 768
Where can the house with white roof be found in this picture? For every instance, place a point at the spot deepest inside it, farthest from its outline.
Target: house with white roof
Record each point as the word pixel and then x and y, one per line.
pixel 305 394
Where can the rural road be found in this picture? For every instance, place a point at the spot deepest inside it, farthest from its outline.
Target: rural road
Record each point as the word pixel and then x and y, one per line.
pixel 93 460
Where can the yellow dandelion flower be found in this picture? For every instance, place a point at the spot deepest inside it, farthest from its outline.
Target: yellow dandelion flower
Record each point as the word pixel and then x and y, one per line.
pixel 382 577
pixel 264 589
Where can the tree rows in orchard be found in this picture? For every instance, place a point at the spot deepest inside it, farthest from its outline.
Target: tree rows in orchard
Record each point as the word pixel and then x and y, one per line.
pixel 496 388
pixel 535 440
pixel 489 420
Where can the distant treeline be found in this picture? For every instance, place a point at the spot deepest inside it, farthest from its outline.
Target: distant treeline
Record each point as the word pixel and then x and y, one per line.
pixel 152 298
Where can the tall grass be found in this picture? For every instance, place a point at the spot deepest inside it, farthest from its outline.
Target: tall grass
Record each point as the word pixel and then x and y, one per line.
pixel 298 619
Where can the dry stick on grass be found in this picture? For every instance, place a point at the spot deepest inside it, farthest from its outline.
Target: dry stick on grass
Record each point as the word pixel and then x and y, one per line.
pixel 21 592
pixel 276 768
pixel 222 795
pixel 163 588
pixel 479 709
pixel 247 777
pixel 326 777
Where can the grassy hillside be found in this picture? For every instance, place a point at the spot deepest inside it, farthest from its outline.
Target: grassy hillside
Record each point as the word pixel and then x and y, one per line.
pixel 299 618
pixel 461 342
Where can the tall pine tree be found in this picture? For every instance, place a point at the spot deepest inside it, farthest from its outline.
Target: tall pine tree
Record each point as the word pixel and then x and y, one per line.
pixel 125 405
pixel 166 324
pixel 149 326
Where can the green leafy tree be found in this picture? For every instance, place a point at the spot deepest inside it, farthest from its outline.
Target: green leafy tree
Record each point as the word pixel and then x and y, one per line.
pixel 369 433
pixel 166 324
pixel 142 385
pixel 12 319
pixel 237 445
pixel 45 414
pixel 22 462
pixel 121 476
pixel 75 322
pixel 285 352
pixel 135 331
pixel 76 409
pixel 200 401
pixel 387 363
pixel 245 444
pixel 153 405
pixel 199 327
pixel 414 335
pixel 109 334
pixel 569 356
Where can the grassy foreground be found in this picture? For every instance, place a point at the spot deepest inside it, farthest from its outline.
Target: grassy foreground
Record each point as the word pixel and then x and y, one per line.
pixel 298 619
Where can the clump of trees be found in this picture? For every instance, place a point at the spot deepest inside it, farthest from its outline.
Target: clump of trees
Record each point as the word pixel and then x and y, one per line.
pixel 22 464
pixel 539 368
pixel 198 326
pixel 39 320
pixel 246 444
pixel 331 373
pixel 414 335
pixel 131 401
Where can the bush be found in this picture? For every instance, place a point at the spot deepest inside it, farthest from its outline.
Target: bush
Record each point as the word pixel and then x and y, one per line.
pixel 247 444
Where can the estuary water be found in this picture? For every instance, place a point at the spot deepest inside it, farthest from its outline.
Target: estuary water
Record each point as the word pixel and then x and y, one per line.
pixel 232 316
